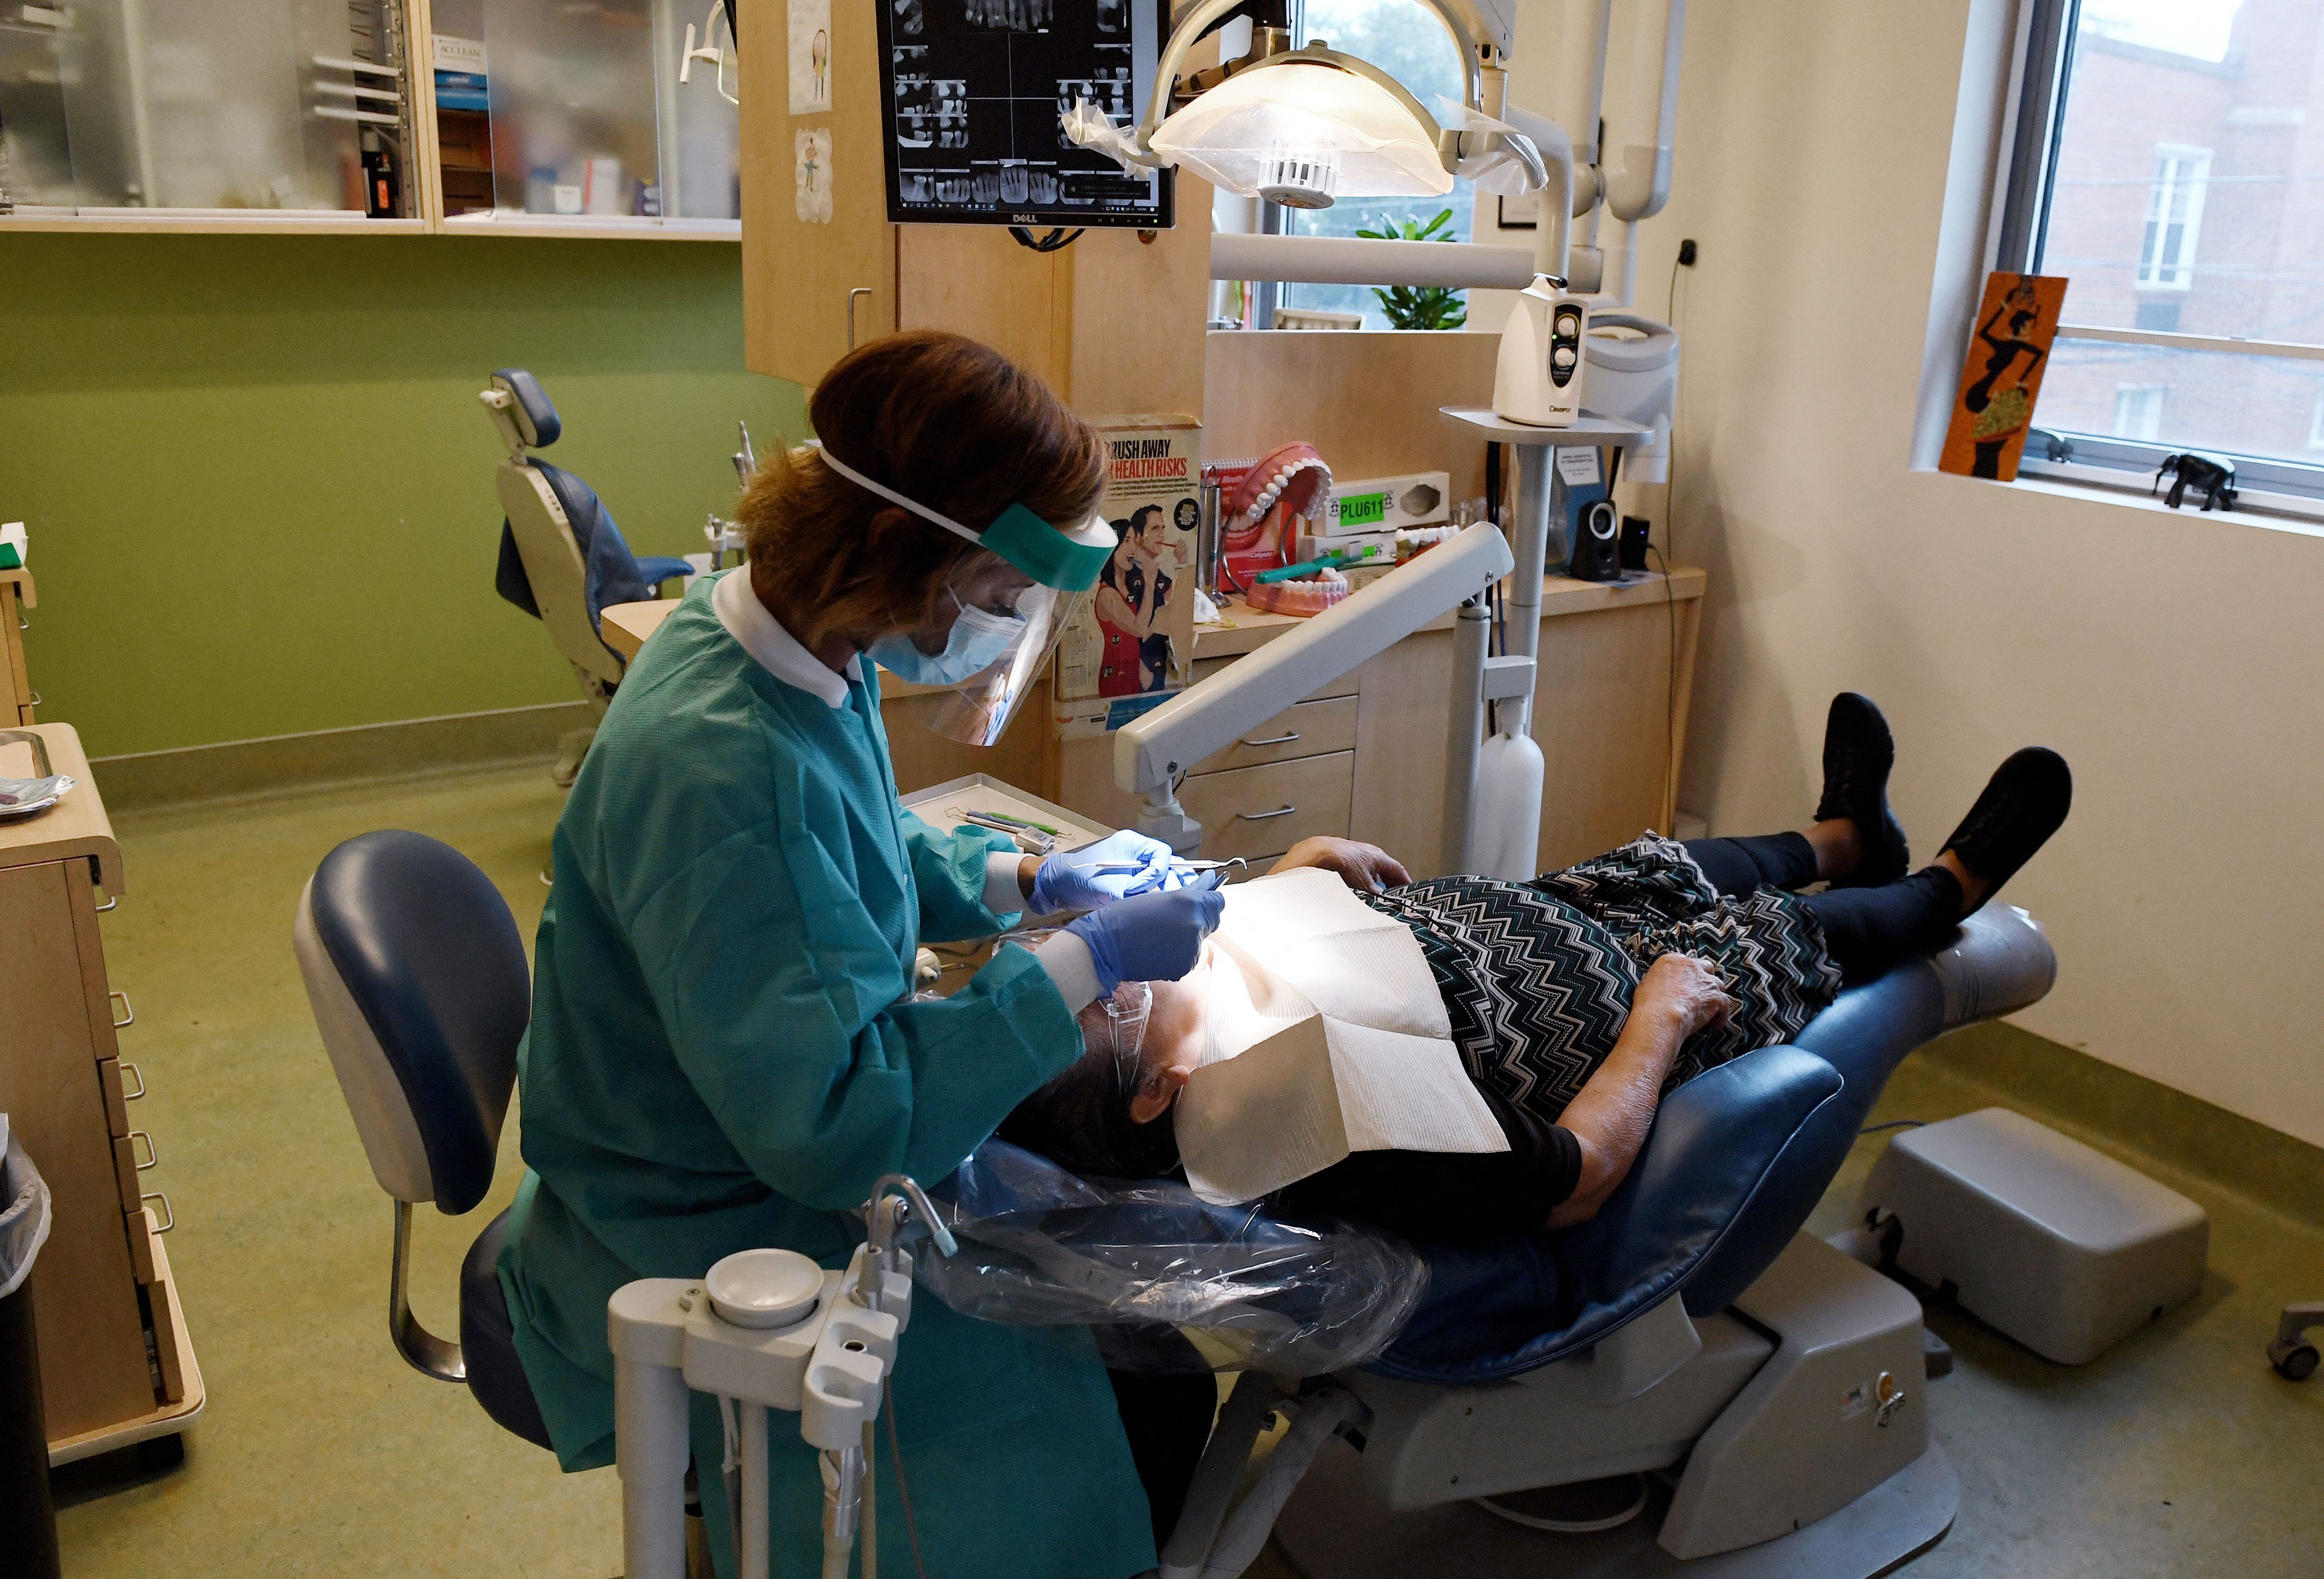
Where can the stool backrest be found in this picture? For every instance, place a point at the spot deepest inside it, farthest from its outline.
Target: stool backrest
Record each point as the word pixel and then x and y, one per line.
pixel 419 984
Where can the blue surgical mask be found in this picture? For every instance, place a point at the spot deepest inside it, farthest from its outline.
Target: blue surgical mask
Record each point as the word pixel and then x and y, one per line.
pixel 979 638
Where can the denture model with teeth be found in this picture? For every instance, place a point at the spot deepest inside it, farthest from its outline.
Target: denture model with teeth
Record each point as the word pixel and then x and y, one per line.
pixel 1299 598
pixel 1288 480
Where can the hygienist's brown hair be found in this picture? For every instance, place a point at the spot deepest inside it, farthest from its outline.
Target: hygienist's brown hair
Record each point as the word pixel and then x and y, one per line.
pixel 941 419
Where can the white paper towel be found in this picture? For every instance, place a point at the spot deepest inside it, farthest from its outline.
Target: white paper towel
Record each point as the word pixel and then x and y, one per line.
pixel 1325 1035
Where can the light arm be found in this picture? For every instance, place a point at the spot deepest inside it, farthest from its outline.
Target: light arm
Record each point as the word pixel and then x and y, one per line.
pixel 1151 752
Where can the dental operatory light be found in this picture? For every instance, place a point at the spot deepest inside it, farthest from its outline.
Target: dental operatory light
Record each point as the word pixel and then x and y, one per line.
pixel 1306 127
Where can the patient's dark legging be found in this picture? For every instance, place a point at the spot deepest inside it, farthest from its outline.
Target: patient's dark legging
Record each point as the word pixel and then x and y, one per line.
pixel 1866 929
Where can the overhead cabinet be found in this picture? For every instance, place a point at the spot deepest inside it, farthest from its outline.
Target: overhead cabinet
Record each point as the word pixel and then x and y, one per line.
pixel 509 117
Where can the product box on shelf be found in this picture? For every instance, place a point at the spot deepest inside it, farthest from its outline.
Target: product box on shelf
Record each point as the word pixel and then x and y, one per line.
pixel 1374 505
pixel 1136 634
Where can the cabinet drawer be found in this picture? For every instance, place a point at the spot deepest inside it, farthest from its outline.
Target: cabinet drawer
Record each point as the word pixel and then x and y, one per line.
pixel 1262 811
pixel 1311 729
pixel 1345 685
pixel 117 1095
pixel 141 1243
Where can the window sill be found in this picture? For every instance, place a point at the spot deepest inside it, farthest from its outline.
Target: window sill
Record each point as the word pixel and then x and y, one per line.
pixel 2289 512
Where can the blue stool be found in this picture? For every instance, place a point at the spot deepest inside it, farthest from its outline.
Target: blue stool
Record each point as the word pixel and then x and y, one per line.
pixel 420 987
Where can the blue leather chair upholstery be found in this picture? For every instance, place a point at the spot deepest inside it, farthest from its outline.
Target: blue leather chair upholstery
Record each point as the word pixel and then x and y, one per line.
pixel 614 574
pixel 420 989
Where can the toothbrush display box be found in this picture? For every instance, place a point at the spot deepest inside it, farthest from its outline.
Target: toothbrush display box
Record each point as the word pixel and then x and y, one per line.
pixel 1135 635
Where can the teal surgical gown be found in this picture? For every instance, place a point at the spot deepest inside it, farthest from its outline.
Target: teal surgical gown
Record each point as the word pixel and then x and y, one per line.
pixel 723 1054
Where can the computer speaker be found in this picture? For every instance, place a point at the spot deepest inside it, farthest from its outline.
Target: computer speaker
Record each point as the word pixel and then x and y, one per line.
pixel 1597 543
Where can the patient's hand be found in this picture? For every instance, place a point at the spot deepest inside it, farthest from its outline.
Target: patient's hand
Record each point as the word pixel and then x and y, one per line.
pixel 1366 868
pixel 1686 989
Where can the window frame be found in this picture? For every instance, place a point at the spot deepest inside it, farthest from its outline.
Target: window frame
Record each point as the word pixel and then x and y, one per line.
pixel 2040 79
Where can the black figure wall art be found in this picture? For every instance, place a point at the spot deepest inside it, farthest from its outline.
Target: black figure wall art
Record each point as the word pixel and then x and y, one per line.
pixel 2009 350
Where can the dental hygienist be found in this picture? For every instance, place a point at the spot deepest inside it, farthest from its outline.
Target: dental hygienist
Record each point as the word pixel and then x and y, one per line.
pixel 726 1051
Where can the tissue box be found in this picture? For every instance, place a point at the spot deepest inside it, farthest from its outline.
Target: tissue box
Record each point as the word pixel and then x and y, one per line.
pixel 12 545
pixel 2060 1247
pixel 1384 503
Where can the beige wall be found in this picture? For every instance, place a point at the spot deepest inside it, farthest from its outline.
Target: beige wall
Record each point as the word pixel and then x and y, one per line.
pixel 2173 658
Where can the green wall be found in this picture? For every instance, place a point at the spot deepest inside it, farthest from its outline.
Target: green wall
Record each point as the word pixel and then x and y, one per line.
pixel 260 488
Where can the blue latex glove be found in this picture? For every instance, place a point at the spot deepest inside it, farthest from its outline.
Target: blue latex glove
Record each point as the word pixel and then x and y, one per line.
pixel 1149 936
pixel 1071 880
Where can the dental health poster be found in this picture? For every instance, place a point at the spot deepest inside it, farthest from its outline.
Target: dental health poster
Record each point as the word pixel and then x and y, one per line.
pixel 1136 633
pixel 2008 352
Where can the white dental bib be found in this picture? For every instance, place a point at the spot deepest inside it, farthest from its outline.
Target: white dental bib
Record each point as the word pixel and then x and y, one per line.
pixel 1325 1036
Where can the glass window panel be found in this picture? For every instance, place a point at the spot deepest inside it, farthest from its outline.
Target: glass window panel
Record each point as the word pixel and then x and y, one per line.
pixel 2187 172
pixel 2215 400
pixel 1406 40
pixel 701 128
pixel 177 106
pixel 36 154
pixel 571 83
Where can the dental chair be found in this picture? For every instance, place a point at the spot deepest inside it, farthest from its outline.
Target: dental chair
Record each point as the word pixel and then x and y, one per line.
pixel 562 559
pixel 1765 1389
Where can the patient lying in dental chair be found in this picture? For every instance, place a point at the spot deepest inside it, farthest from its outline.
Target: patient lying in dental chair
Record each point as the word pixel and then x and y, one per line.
pixel 1307 1060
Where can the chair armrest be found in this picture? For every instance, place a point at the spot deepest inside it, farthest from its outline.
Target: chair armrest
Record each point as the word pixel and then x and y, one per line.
pixel 1499 1310
pixel 1714 1139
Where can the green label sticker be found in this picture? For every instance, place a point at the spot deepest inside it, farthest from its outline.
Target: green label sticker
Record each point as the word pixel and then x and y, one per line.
pixel 1361 509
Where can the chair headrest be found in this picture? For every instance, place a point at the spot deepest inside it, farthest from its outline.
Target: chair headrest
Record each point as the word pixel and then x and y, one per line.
pixel 536 417
pixel 420 985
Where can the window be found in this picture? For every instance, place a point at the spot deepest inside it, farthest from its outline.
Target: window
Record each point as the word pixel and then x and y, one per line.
pixel 2174 212
pixel 2138 410
pixel 2159 162
pixel 1405 39
pixel 2316 424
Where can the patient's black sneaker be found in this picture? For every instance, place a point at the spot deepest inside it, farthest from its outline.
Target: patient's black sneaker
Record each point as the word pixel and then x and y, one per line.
pixel 1858 752
pixel 2024 802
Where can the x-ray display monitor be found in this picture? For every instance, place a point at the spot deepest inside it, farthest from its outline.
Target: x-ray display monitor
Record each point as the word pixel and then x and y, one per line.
pixel 973 92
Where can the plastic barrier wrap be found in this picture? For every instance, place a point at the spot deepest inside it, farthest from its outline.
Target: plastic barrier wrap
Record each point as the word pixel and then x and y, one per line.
pixel 1169 1283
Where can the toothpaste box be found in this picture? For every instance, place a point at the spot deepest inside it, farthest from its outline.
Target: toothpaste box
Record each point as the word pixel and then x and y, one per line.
pixel 1135 635
pixel 1375 505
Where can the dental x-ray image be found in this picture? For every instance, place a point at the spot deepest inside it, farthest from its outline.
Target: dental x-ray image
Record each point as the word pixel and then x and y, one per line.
pixel 975 94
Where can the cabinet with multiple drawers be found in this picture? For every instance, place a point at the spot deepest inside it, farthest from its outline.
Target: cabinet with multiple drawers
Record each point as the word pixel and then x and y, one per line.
pixel 116 1366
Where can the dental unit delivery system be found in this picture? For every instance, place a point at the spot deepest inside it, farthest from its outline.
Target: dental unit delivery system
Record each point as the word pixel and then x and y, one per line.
pixel 765 1329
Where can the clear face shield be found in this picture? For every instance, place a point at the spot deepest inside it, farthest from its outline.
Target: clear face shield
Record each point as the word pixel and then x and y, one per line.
pixel 1012 602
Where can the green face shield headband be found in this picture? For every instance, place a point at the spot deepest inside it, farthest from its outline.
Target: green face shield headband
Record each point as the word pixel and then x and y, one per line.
pixel 1067 561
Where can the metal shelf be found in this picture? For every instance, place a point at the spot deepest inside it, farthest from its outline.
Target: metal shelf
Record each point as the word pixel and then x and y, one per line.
pixel 1589 431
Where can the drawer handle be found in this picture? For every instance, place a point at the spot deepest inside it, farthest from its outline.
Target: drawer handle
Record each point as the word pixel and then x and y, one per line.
pixel 112 904
pixel 34 700
pixel 169 1218
pixel 1265 815
pixel 129 1068
pixel 128 1015
pixel 152 1156
pixel 1274 740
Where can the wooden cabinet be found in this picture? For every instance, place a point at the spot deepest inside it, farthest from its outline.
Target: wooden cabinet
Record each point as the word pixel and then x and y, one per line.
pixel 1112 323
pixel 116 1365
pixel 17 697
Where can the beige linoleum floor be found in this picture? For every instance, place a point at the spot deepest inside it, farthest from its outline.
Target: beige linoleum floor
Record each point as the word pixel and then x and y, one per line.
pixel 321 1453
